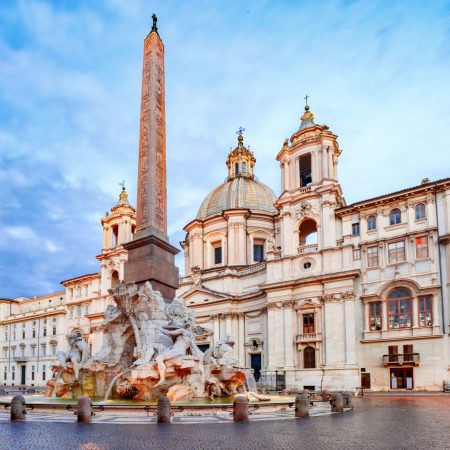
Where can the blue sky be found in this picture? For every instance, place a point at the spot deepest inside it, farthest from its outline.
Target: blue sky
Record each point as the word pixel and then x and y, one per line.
pixel 378 74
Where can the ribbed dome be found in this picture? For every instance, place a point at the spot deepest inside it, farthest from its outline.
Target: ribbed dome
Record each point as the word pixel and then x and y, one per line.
pixel 239 192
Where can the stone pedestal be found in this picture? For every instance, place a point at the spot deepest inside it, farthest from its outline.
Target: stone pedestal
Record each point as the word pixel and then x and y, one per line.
pixel 150 258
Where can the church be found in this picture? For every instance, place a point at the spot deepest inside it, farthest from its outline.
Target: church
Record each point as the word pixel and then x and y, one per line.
pixel 314 293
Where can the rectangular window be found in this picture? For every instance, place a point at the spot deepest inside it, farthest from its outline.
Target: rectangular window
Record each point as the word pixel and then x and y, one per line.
pixel 421 247
pixel 5 374
pixel 54 330
pixel 44 332
pixel 23 334
pixel 217 255
pixel 78 310
pixel 44 350
pixel 393 353
pixel 33 351
pixel 86 289
pixel 71 312
pixel 396 252
pixel 372 256
pixel 86 309
pixel 308 323
pixel 425 311
pixel 399 313
pixel 32 373
pixel 258 252
pixel 77 292
pixel 34 332
pixel 355 229
pixel 53 350
pixel 375 316
pixel 305 170
pixel 5 353
pixel 13 373
pixel 43 372
pixel 356 254
pixel 408 353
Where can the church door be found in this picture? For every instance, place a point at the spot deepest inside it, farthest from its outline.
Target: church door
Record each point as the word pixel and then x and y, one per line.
pixel 255 363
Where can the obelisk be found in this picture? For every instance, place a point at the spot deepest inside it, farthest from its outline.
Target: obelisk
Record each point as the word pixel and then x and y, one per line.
pixel 150 256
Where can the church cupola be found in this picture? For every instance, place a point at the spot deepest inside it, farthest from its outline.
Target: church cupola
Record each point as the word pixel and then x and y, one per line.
pixel 241 161
pixel 307 119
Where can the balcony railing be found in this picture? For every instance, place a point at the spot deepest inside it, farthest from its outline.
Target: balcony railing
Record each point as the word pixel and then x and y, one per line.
pixel 405 358
pixel 307 248
pixel 309 337
pixel 23 358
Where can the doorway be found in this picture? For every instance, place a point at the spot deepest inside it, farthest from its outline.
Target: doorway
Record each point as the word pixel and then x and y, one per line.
pixel 365 380
pixel 402 378
pixel 255 364
pixel 23 374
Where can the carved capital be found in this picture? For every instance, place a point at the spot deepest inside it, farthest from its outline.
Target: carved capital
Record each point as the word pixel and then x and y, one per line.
pixel 289 304
pixel 274 305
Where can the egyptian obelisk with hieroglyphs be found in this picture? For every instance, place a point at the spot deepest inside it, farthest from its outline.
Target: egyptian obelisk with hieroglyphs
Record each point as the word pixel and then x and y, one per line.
pixel 150 256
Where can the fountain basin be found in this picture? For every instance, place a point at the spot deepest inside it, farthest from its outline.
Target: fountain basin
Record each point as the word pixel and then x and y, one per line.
pixel 196 407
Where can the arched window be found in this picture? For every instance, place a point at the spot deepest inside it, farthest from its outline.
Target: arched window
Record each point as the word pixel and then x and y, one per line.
pixel 372 223
pixel 420 211
pixel 308 232
pixel 399 308
pixel 309 358
pixel 395 217
pixel 114 279
pixel 236 169
pixel 244 168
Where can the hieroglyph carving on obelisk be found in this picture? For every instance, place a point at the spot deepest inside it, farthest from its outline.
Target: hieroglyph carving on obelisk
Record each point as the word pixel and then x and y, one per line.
pixel 152 195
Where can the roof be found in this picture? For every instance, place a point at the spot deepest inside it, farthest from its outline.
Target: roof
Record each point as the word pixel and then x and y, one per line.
pixel 82 277
pixel 431 184
pixel 239 193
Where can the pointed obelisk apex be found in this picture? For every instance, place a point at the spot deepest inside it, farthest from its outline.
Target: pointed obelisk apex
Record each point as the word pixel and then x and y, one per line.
pixel 152 195
pixel 150 256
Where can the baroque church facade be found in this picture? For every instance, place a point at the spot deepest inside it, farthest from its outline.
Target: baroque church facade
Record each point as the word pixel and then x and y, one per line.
pixel 323 293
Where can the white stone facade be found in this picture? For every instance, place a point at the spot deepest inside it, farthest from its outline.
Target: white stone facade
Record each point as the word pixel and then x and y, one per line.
pixel 321 309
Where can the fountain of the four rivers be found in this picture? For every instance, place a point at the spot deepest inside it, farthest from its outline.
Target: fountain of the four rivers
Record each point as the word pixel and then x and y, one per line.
pixel 149 334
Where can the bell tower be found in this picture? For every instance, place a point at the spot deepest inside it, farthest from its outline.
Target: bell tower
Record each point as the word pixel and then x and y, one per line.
pixel 118 229
pixel 310 190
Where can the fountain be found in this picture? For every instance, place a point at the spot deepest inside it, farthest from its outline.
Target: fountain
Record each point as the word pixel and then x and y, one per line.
pixel 148 344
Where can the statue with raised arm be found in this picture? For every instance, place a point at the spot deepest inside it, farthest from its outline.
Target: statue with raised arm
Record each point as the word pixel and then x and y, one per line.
pixel 183 344
pixel 77 355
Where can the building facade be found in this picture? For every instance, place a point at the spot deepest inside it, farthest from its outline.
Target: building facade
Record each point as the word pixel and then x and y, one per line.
pixel 314 292
pixel 323 293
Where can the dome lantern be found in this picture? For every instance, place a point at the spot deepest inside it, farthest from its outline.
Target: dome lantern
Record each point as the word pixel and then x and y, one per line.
pixel 240 161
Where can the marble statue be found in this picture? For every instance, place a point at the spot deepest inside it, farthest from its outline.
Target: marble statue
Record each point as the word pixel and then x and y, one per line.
pixel 77 355
pixel 222 353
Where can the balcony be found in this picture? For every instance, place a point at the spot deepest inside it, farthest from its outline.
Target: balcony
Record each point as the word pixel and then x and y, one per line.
pixel 410 359
pixel 308 337
pixel 20 359
pixel 307 249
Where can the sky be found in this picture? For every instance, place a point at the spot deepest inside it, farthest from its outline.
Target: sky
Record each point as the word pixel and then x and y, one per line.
pixel 377 73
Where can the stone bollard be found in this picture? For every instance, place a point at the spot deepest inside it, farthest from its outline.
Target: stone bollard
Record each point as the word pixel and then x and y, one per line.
pixel 163 410
pixel 240 409
pixel 349 400
pixel 325 395
pixel 337 403
pixel 84 410
pixel 301 405
pixel 18 408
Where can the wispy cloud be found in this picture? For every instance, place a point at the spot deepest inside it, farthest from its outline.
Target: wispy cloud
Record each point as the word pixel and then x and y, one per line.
pixel 70 83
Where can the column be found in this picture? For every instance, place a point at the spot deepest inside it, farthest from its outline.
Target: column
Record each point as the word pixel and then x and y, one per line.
pixel 270 343
pixel 350 333
pixel 435 310
pixel 297 172
pixel 231 243
pixel 235 333
pixel 288 334
pixel 241 340
pixel 216 328
pixel 228 330
pixel 286 234
pixel 415 312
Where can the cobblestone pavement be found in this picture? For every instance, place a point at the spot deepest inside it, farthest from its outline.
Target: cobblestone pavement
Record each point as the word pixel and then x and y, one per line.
pixel 406 422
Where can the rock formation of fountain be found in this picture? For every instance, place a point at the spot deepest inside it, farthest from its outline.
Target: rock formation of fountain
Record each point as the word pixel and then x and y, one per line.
pixel 148 343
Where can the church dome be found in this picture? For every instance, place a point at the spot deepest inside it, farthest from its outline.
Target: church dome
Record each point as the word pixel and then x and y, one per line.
pixel 241 190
